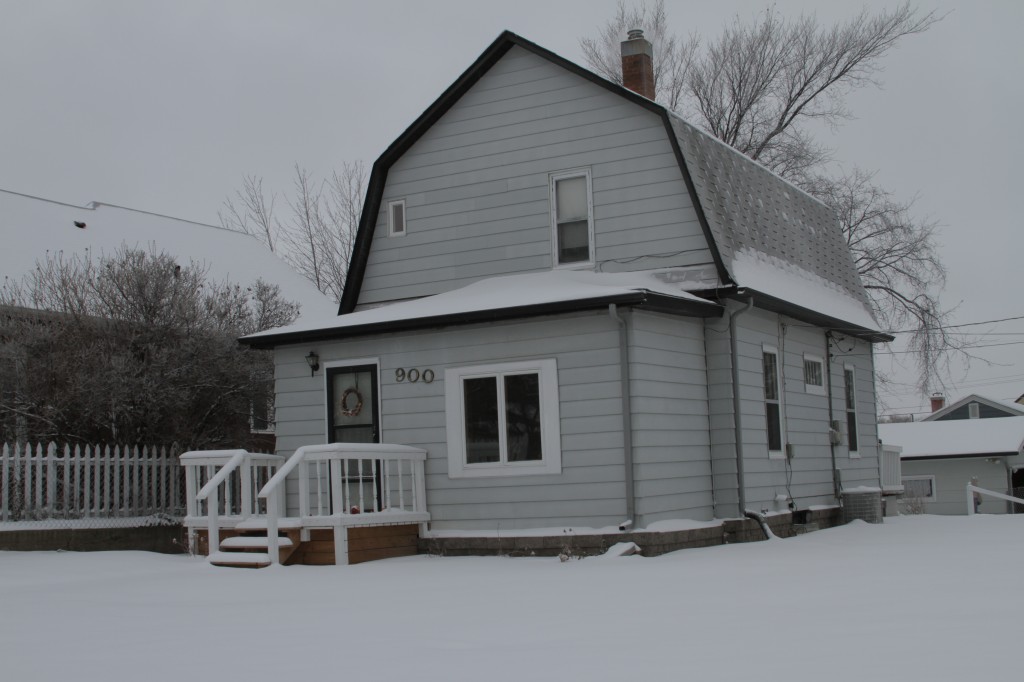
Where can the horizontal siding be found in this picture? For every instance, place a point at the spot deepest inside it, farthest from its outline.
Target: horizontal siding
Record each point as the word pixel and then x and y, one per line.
pixel 671 442
pixel 585 347
pixel 476 185
pixel 808 476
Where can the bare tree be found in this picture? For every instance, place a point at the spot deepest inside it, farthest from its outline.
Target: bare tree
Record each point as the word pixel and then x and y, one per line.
pixel 897 257
pixel 672 55
pixel 757 87
pixel 253 214
pixel 317 234
pixel 133 348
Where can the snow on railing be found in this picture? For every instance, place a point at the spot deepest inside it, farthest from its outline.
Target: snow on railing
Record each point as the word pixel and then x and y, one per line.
pixel 53 483
pixel 229 480
pixel 973 489
pixel 343 484
pixel 890 470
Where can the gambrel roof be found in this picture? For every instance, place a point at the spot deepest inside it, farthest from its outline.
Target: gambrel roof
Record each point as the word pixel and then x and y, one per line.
pixel 765 235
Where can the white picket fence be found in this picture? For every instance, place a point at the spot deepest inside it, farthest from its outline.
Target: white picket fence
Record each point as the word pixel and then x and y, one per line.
pixel 50 482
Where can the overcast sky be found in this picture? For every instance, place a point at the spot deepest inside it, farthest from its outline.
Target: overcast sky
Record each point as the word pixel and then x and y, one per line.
pixel 164 106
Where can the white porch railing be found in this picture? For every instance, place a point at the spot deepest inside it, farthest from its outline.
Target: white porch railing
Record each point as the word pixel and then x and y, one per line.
pixel 349 484
pixel 971 489
pixel 890 471
pixel 221 487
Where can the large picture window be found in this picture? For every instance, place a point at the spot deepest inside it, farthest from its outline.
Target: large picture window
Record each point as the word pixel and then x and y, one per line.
pixel 572 218
pixel 503 419
pixel 772 401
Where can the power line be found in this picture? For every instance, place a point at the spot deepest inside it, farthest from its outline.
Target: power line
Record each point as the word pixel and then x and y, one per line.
pixel 984 345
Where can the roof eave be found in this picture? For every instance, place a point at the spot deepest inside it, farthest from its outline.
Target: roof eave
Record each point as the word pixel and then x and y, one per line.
pixel 778 305
pixel 640 299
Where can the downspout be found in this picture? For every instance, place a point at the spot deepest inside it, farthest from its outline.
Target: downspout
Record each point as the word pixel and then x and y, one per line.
pixel 627 416
pixel 831 418
pixel 736 416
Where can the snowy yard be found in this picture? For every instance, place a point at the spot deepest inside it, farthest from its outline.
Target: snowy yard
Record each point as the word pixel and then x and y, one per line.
pixel 918 598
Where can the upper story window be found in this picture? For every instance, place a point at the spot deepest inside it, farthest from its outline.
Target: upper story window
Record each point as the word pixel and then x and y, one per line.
pixel 396 218
pixel 814 375
pixel 772 400
pixel 572 218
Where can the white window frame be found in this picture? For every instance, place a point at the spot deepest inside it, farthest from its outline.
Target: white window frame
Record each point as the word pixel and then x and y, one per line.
pixel 814 389
pixel 854 454
pixel 392 231
pixel 933 497
pixel 551 462
pixel 973 410
pixel 553 178
pixel 781 452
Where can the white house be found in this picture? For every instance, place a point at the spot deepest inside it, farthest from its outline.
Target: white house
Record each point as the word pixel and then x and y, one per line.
pixel 580 311
pixel 974 440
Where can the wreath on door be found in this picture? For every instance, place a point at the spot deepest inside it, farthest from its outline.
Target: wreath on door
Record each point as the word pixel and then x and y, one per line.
pixel 356 408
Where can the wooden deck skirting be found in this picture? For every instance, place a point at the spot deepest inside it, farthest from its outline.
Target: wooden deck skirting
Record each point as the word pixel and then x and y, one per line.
pixel 365 543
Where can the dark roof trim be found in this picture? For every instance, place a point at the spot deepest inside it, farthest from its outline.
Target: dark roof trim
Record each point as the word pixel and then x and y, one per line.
pixel 637 299
pixel 691 188
pixel 777 305
pixel 501 45
pixel 972 455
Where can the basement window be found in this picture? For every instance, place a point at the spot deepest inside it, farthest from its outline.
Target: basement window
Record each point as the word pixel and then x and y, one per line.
pixel 919 488
pixel 396 218
pixel 572 218
pixel 502 420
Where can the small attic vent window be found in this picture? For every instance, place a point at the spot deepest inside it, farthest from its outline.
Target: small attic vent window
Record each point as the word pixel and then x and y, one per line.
pixel 396 218
pixel 973 411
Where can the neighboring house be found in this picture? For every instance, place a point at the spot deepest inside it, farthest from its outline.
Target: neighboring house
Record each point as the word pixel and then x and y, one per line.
pixel 588 313
pixel 34 229
pixel 940 457
pixel 975 406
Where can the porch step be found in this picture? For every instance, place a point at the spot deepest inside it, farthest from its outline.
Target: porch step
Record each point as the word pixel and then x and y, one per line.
pixel 251 542
pixel 240 559
pixel 260 523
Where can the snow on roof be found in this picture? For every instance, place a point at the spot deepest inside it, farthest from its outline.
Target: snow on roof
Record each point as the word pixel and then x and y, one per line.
pixel 955 437
pixel 32 228
pixel 498 293
pixel 785 280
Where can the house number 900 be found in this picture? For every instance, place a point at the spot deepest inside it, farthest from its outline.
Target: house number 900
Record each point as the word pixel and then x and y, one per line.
pixel 414 375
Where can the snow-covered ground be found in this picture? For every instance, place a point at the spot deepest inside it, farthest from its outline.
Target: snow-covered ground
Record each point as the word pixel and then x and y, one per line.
pixel 918 598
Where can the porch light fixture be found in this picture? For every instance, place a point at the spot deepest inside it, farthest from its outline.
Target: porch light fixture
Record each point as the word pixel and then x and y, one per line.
pixel 313 360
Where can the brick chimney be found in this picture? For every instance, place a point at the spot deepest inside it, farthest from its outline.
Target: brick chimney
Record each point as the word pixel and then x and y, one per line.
pixel 638 64
pixel 938 401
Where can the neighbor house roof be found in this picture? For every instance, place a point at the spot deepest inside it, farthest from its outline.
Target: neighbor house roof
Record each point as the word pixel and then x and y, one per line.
pixel 754 221
pixel 1004 405
pixel 35 228
pixel 958 438
pixel 499 298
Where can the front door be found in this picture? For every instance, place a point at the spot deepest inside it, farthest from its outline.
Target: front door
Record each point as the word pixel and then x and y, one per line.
pixel 352 405
pixel 353 417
